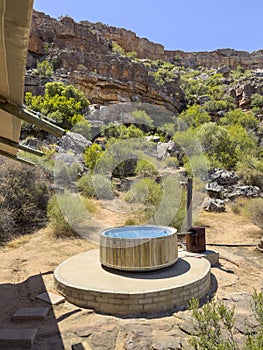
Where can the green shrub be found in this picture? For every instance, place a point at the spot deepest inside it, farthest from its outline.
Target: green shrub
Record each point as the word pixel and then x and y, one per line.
pixel 66 174
pixel 194 116
pixel 237 116
pixel 214 325
pixel 167 129
pixel 104 187
pixel 188 142
pixel 66 105
pixel 131 54
pixel 142 120
pixel 192 87
pixel 171 162
pixel 146 167
pixel 117 49
pixel 130 132
pixel 113 132
pixel 44 69
pixel 82 127
pixel 240 73
pixel 86 187
pixel 243 140
pixel 130 222
pixel 66 213
pixel 90 205
pixel 162 71
pixel 257 101
pixel 217 145
pixel 92 155
pixel 145 191
pixel 218 105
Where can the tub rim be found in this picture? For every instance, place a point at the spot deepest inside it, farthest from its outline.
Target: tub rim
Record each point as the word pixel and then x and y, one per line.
pixel 170 228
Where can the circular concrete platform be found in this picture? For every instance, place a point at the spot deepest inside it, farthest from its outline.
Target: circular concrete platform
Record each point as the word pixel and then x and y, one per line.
pixel 84 282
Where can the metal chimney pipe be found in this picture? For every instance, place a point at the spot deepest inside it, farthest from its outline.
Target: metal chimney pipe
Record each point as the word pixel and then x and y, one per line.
pixel 189 202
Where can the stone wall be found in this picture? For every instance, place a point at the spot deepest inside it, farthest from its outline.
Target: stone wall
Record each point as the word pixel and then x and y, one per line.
pixel 136 303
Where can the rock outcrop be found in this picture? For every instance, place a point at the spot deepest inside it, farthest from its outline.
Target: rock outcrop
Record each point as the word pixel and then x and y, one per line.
pixel 226 185
pixel 221 57
pixel 128 40
pixel 86 58
pixel 82 54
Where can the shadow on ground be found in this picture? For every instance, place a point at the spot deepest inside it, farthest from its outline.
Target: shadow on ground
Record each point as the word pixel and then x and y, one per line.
pixel 24 295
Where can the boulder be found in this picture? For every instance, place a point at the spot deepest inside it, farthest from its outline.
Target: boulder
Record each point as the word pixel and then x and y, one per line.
pixel 224 70
pixel 223 177
pixel 246 191
pixel 74 142
pixel 203 99
pixel 214 205
pixel 170 148
pixel 214 190
pixel 162 150
pixel 153 138
pixel 166 342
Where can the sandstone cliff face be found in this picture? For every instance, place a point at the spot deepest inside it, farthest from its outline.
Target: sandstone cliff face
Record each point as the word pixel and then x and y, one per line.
pixel 86 57
pixel 221 57
pixel 82 54
pixel 147 49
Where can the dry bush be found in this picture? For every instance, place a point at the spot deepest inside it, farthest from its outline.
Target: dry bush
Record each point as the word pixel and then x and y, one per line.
pixel 255 211
pixel 23 198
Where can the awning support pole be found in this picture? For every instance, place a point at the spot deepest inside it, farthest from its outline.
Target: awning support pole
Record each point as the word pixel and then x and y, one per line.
pixel 18 159
pixel 24 114
pixel 21 147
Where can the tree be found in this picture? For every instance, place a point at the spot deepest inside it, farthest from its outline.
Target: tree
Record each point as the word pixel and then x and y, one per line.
pixel 188 142
pixel 244 141
pixel 257 100
pixel 142 120
pixel 92 155
pixel 217 144
pixel 237 116
pixel 82 127
pixel 44 69
pixel 194 116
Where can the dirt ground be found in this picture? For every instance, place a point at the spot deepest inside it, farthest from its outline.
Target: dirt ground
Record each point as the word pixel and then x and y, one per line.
pixel 27 265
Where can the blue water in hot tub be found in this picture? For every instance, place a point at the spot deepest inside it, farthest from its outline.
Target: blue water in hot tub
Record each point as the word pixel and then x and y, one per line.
pixel 137 232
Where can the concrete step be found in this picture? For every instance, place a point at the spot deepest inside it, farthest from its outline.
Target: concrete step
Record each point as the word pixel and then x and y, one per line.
pixel 31 313
pixel 51 298
pixel 17 338
pixel 82 346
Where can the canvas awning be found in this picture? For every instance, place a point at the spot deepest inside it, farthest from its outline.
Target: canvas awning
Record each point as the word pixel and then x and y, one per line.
pixel 15 21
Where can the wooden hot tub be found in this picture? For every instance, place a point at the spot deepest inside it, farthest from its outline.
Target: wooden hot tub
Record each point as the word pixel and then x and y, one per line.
pixel 138 248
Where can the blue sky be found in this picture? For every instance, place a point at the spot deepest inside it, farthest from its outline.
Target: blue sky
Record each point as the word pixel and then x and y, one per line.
pixel 189 25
